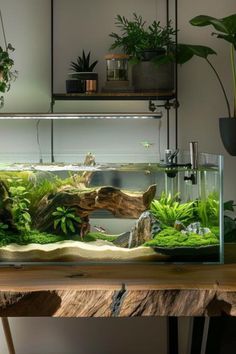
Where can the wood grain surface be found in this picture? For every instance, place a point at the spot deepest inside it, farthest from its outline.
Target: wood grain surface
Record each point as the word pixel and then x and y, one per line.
pixel 119 290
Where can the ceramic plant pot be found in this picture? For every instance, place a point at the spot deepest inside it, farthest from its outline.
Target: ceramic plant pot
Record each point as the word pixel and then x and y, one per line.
pixel 228 134
pixel 84 82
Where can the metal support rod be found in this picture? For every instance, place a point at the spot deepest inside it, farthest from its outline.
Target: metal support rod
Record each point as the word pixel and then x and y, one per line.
pixel 8 336
pixel 176 75
pixel 52 79
pixel 167 127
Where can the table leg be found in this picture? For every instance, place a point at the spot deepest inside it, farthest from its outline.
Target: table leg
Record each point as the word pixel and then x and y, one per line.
pixel 8 336
pixel 173 340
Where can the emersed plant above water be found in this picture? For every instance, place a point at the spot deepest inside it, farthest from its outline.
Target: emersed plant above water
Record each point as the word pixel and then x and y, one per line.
pixel 136 37
pixel 7 74
pixel 226 30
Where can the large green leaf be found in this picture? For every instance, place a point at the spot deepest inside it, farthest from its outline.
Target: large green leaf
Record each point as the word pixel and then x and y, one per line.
pixel 187 51
pixel 226 25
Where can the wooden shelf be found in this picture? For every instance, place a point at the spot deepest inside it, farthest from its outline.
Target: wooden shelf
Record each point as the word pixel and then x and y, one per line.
pixel 119 290
pixel 159 95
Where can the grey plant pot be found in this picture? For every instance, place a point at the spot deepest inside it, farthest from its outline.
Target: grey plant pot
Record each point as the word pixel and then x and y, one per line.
pixel 228 134
pixel 147 76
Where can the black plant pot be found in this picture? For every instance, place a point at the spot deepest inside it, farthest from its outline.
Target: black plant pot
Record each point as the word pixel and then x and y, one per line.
pixel 228 134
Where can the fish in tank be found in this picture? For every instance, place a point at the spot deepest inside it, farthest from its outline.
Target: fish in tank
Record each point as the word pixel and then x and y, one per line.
pixel 133 212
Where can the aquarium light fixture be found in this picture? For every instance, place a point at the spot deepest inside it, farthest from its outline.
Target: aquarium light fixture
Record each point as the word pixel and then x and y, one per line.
pixel 56 116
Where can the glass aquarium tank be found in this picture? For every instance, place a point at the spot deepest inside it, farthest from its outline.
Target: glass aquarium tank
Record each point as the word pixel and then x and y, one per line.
pixel 136 212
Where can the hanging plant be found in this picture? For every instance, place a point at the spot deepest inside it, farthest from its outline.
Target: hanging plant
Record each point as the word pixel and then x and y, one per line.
pixel 7 74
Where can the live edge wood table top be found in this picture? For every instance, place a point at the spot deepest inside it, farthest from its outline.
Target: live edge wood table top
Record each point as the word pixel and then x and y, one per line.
pixel 120 290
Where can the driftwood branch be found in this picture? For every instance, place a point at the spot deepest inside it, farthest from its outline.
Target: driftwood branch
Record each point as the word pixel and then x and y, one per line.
pixel 118 202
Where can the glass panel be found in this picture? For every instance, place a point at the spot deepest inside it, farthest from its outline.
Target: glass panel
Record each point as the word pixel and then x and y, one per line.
pixel 69 212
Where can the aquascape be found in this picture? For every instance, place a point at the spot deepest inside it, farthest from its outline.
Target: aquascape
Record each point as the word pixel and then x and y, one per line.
pixel 102 213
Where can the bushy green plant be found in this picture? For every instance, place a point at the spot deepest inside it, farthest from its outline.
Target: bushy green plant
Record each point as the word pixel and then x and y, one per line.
pixel 207 211
pixel 7 75
pixel 3 229
pixel 135 36
pixel 168 209
pixel 66 220
pixel 36 193
pixel 20 203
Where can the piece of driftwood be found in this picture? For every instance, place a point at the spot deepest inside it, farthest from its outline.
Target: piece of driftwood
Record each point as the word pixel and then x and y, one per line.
pixel 119 203
pixel 119 290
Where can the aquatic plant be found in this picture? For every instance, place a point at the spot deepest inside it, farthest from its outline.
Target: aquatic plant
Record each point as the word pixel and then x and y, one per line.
pixel 20 203
pixel 3 229
pixel 168 209
pixel 207 211
pixel 171 238
pixel 93 236
pixel 36 193
pixel 66 220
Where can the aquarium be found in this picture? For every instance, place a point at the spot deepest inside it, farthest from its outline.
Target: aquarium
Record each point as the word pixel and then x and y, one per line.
pixel 90 212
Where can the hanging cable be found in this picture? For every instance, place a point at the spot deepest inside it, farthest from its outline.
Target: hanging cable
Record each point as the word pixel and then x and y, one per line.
pixel 3 31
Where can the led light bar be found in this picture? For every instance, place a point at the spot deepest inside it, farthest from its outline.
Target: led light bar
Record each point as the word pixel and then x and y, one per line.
pixel 149 115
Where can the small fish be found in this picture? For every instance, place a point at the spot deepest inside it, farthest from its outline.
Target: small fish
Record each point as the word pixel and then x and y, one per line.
pixel 100 229
pixel 146 144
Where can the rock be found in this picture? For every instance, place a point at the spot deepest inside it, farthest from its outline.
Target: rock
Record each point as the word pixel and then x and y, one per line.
pixel 196 228
pixel 122 240
pixel 142 230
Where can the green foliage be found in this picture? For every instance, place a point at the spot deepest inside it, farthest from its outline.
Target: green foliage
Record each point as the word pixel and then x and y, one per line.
pixel 36 193
pixel 171 238
pixel 82 63
pixel 7 75
pixel 20 203
pixel 66 220
pixel 3 229
pixel 168 209
pixel 136 36
pixel 93 236
pixel 188 51
pixel 225 27
pixel 226 30
pixel 207 211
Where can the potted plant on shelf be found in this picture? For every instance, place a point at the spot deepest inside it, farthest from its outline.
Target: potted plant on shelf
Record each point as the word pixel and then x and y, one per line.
pixel 226 30
pixel 7 74
pixel 83 79
pixel 150 49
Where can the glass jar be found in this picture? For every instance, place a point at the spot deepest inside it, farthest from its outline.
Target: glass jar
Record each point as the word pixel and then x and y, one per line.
pixel 117 67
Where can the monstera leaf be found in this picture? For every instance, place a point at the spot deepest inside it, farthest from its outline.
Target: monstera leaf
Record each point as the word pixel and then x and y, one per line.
pixel 226 26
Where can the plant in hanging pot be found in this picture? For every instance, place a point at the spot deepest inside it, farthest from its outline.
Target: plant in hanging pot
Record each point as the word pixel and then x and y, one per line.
pixel 7 74
pixel 83 79
pixel 150 49
pixel 226 30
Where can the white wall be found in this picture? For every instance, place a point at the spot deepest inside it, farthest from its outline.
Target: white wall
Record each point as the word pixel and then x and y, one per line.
pixel 27 25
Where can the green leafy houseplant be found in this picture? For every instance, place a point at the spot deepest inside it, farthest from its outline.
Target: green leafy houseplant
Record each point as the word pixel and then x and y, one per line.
pixel 65 220
pixel 225 30
pixel 81 72
pixel 82 64
pixel 136 37
pixel 7 74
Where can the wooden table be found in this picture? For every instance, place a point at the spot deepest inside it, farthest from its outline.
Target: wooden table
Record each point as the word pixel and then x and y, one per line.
pixel 120 290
